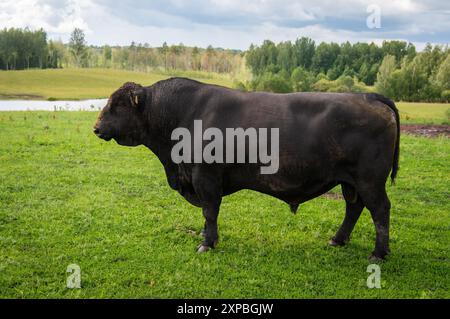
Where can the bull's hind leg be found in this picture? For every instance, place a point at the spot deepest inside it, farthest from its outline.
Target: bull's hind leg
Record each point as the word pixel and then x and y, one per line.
pixel 378 203
pixel 354 207
pixel 210 212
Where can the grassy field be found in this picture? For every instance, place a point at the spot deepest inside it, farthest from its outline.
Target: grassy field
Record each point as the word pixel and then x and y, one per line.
pixel 78 84
pixel 424 113
pixel 68 197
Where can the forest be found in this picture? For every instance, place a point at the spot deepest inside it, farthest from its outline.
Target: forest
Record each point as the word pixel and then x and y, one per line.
pixel 23 49
pixel 394 68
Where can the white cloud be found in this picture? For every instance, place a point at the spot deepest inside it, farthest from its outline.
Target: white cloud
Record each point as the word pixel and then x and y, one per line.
pixel 36 14
pixel 229 23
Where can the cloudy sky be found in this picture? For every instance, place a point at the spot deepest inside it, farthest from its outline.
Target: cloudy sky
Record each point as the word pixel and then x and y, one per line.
pixel 231 23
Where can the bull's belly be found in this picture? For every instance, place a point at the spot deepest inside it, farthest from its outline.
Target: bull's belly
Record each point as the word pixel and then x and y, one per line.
pixel 295 194
pixel 292 188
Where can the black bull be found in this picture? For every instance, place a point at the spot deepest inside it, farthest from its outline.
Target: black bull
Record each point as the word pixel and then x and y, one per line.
pixel 325 139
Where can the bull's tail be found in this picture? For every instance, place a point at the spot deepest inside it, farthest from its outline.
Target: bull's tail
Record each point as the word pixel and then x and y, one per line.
pixel 392 106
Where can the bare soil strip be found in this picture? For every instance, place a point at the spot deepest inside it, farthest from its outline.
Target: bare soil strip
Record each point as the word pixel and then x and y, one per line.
pixel 426 130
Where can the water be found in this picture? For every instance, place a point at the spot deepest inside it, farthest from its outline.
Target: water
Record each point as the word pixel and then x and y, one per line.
pixel 27 105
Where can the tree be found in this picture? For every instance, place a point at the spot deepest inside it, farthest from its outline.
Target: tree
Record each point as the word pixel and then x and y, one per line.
pixel 302 80
pixel 407 83
pixel 303 51
pixel 284 56
pixel 107 56
pixel 399 49
pixel 387 67
pixel 432 57
pixel 163 51
pixel 53 55
pixel 325 56
pixel 364 73
pixel 208 59
pixel 195 59
pixel 252 59
pixel 78 47
pixel 40 47
pixel 442 78
pixel 345 59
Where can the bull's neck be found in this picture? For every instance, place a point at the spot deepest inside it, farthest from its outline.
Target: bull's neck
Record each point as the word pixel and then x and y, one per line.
pixel 171 102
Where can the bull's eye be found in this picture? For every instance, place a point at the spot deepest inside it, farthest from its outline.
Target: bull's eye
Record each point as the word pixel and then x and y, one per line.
pixel 111 109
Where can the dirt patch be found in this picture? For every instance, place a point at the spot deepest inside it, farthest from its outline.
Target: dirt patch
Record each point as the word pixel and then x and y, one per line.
pixel 426 130
pixel 20 96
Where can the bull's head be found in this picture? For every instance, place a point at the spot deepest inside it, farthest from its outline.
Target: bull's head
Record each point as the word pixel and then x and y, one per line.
pixel 122 119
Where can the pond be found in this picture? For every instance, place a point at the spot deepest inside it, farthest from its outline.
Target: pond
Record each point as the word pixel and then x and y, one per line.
pixel 29 105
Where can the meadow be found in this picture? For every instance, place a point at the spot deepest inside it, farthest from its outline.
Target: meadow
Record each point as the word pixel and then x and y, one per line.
pixel 79 84
pixel 424 113
pixel 67 197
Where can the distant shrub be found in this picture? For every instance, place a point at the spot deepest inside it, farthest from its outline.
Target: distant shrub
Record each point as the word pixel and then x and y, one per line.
pixel 345 81
pixel 270 82
pixel 302 80
pixel 321 76
pixel 339 89
pixel 343 84
pixel 239 86
pixel 323 85
pixel 446 96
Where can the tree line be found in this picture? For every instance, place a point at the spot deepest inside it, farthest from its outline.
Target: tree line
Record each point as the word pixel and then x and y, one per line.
pixel 394 69
pixel 23 49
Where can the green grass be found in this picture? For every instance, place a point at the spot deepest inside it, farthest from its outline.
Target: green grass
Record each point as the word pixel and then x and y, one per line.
pixel 77 84
pixel 424 113
pixel 68 197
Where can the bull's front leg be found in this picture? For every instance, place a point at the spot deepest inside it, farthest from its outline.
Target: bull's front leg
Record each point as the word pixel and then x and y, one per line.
pixel 208 187
pixel 203 231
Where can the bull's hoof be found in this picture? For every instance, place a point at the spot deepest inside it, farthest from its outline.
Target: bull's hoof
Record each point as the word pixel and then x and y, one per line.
pixel 374 258
pixel 203 248
pixel 335 243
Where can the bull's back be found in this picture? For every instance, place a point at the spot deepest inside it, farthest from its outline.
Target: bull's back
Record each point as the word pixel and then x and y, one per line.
pixel 304 120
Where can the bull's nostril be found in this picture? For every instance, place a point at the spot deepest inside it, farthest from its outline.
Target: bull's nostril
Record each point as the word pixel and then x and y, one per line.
pixel 96 131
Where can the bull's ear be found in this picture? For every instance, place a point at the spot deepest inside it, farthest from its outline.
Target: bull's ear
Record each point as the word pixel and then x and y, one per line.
pixel 138 97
